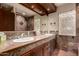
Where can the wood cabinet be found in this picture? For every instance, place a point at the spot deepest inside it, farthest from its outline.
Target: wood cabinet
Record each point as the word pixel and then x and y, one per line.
pixel 34 52
pixel 44 47
pixel 47 49
pixel 44 50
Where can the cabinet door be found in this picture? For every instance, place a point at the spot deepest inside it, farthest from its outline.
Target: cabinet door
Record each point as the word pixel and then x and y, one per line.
pixel 53 45
pixel 28 54
pixel 38 51
pixel 47 49
pixel 34 52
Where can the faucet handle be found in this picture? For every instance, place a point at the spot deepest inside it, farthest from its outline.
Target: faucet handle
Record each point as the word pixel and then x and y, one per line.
pixel 22 34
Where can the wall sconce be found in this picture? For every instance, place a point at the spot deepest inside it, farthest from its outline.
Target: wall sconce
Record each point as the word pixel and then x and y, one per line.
pixel 50 23
pixel 42 24
pixel 45 24
pixel 54 23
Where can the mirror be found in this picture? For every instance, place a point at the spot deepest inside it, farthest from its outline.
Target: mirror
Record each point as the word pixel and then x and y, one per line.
pixel 14 19
pixel 67 23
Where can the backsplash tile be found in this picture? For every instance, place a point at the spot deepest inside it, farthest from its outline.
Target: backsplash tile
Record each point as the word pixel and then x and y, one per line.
pixel 64 41
pixel 13 34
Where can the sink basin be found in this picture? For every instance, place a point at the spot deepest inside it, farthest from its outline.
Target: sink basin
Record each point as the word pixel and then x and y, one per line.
pixel 23 39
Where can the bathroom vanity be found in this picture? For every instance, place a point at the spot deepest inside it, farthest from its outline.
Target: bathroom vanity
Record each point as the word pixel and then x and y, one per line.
pixel 42 45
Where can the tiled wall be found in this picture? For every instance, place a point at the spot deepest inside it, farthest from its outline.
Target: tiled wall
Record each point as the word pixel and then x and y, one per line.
pixel 49 24
pixel 46 24
pixel 53 22
pixel 37 19
pixel 67 42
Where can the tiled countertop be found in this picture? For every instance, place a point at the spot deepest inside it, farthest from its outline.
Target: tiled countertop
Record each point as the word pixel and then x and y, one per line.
pixel 9 44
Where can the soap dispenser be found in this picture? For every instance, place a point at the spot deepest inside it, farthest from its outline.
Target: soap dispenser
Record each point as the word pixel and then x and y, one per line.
pixel 2 37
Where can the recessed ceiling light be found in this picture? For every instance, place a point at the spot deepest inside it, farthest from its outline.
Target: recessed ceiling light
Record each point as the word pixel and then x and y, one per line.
pixel 32 6
pixel 48 9
pixel 24 13
pixel 40 11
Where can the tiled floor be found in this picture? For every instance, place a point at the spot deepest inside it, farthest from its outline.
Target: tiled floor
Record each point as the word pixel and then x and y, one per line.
pixel 59 52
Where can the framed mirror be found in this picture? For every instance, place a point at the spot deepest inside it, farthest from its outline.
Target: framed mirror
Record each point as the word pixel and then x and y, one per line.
pixel 67 23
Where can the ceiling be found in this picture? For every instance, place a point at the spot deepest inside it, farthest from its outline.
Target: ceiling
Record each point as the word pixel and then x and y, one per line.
pixel 41 8
pixel 20 8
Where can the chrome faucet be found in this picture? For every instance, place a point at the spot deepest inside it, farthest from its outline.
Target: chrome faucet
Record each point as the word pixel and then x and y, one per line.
pixel 22 35
pixel 28 33
pixel 19 36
